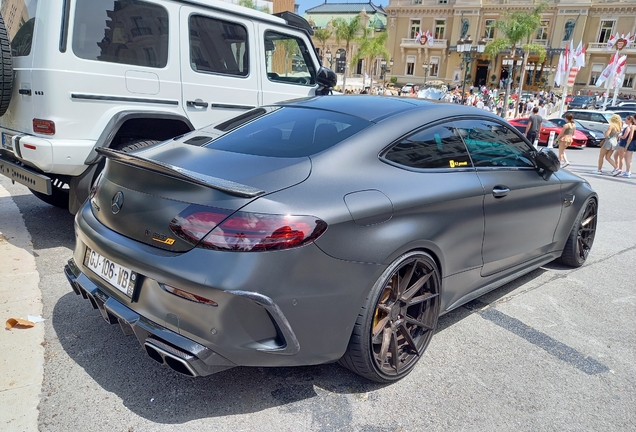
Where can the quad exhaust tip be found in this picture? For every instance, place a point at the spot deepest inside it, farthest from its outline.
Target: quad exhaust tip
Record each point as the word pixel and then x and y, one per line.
pixel 175 362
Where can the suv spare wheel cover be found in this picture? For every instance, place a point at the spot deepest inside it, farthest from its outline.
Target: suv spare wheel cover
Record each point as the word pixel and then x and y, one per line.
pixel 6 69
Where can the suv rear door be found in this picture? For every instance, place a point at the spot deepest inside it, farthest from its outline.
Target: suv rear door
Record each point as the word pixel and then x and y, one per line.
pixel 219 70
pixel 288 62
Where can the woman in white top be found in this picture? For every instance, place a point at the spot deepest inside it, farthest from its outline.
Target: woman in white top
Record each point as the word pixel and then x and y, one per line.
pixel 610 143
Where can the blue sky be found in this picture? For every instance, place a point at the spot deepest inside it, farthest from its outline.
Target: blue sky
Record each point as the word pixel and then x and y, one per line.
pixel 303 5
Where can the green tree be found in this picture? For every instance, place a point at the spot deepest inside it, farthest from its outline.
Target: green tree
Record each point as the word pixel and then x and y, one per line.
pixel 371 45
pixel 517 28
pixel 252 5
pixel 322 35
pixel 347 31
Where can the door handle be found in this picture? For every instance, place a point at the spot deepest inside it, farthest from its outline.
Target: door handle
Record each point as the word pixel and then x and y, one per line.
pixel 197 103
pixel 500 191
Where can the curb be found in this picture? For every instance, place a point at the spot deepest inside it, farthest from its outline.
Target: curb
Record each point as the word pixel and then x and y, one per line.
pixel 22 364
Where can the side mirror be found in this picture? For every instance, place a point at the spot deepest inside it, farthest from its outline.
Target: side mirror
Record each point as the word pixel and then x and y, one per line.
pixel 548 161
pixel 327 79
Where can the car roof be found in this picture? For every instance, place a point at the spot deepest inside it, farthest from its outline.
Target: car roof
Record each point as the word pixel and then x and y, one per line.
pixel 367 107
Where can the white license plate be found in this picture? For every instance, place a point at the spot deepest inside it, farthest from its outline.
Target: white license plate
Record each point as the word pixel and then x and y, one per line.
pixel 115 274
pixel 6 141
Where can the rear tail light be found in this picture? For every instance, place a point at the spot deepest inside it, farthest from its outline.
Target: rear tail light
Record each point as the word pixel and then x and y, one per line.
pixel 46 127
pixel 247 232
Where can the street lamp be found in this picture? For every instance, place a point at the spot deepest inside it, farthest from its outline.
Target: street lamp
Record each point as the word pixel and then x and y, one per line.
pixel 329 58
pixel 469 54
pixel 426 67
pixel 385 69
pixel 510 63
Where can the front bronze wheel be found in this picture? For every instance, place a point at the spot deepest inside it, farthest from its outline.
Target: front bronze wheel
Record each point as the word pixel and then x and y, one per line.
pixel 396 325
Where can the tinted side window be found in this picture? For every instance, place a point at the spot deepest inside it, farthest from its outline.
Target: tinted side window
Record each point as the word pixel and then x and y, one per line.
pixel 436 147
pixel 218 46
pixel 121 31
pixel 288 60
pixel 494 145
pixel 581 116
pixel 290 132
pixel 595 117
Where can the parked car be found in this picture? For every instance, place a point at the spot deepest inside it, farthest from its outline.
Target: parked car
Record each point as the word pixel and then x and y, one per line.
pixel 408 88
pixel 307 232
pixel 598 120
pixel 594 136
pixel 624 113
pixel 76 76
pixel 582 102
pixel 579 140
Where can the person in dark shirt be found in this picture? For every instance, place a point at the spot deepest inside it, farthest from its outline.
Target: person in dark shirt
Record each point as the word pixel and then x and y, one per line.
pixel 534 125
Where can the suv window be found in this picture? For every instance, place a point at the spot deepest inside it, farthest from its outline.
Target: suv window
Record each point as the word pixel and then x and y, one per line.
pixel 494 145
pixel 290 132
pixel 288 59
pixel 19 19
pixel 580 115
pixel 600 118
pixel 132 32
pixel 436 147
pixel 218 46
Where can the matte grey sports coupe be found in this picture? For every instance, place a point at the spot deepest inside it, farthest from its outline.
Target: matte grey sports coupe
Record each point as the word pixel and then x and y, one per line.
pixel 323 229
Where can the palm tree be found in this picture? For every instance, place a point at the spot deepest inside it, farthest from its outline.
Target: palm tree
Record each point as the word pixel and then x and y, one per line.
pixel 371 47
pixel 517 28
pixel 346 31
pixel 323 36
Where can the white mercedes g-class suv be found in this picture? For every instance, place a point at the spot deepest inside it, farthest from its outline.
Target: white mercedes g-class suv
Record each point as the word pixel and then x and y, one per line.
pixel 80 74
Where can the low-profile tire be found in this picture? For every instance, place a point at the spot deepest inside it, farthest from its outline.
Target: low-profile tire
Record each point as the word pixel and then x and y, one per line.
pixel 139 144
pixel 6 69
pixel 397 322
pixel 581 238
pixel 60 193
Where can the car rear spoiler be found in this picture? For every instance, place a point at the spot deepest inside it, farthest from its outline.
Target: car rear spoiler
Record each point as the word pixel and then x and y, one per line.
pixel 230 187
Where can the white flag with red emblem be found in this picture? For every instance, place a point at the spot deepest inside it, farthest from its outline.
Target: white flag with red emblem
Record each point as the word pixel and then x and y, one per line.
pixel 612 41
pixel 619 72
pixel 579 55
pixel 418 36
pixel 430 38
pixel 558 77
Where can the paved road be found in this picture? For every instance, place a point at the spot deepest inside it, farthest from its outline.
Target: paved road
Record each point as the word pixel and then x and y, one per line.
pixel 552 351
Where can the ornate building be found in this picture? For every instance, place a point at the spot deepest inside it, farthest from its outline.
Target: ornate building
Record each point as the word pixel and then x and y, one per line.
pixel 593 22
pixel 332 52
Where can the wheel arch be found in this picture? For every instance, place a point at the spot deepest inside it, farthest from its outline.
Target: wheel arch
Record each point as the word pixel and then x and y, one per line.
pixel 420 246
pixel 127 126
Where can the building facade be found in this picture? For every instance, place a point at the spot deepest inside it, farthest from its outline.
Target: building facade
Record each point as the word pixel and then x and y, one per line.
pixel 593 22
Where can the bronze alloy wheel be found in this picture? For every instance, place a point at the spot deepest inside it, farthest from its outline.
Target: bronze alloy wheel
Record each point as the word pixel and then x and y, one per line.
pixel 579 243
pixel 398 322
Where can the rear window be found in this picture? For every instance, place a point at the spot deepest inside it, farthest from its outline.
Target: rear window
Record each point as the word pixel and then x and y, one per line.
pixel 19 19
pixel 290 132
pixel 131 32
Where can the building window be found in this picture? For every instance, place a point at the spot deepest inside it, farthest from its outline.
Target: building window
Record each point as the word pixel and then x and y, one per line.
pixel 410 64
pixel 597 68
pixel 417 1
pixel 489 28
pixel 606 31
pixel 415 28
pixel 440 29
pixel 434 69
pixel 628 80
pixel 442 1
pixel 542 32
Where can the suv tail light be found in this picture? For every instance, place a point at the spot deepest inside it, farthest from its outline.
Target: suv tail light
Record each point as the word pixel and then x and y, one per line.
pixel 245 232
pixel 46 127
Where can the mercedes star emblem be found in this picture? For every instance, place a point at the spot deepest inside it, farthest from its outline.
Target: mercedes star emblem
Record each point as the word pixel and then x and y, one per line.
pixel 117 202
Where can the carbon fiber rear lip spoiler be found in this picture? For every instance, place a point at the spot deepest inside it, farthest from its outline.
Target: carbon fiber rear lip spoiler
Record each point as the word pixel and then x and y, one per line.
pixel 228 186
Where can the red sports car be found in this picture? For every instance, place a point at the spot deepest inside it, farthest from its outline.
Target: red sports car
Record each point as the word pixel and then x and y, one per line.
pixel 579 139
